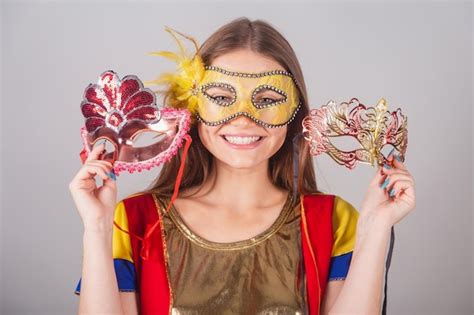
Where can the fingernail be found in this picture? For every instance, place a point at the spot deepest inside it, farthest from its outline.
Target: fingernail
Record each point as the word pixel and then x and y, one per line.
pixel 392 192
pixel 385 183
pixel 111 174
pixel 398 158
pixel 393 149
pixel 387 166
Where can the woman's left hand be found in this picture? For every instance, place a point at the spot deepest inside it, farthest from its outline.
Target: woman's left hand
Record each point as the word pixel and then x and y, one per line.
pixel 389 209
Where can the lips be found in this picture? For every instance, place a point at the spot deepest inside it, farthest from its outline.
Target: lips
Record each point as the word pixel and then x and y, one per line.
pixel 242 140
pixel 240 135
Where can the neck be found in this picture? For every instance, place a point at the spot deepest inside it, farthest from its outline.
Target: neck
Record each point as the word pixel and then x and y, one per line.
pixel 242 188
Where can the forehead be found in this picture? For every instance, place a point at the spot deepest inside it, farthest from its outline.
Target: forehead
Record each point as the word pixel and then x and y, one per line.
pixel 245 60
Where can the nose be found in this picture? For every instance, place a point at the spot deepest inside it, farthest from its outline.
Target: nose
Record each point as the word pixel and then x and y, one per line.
pixel 241 120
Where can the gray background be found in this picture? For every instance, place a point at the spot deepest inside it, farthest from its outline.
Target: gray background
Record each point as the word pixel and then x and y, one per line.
pixel 416 55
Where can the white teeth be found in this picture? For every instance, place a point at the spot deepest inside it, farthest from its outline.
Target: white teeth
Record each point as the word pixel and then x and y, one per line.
pixel 241 140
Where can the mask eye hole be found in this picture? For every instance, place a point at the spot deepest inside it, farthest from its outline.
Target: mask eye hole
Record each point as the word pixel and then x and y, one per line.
pixel 110 152
pixel 347 143
pixel 145 138
pixel 222 94
pixel 267 95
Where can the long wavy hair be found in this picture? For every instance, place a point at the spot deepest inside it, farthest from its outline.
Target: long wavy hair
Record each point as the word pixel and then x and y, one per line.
pixel 260 37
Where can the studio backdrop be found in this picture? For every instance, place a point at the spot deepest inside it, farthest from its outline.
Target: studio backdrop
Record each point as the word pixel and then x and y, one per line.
pixel 416 55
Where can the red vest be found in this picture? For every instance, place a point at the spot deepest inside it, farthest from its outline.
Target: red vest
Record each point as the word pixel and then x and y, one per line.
pixel 156 296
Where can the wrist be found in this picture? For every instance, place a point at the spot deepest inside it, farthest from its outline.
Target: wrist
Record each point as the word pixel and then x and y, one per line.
pixel 372 225
pixel 95 241
pixel 99 224
pixel 97 236
pixel 98 227
pixel 374 221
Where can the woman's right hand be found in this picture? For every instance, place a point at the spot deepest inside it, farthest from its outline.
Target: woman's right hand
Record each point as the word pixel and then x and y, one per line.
pixel 96 205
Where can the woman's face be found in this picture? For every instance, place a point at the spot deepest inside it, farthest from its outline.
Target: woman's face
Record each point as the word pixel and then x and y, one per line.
pixel 240 142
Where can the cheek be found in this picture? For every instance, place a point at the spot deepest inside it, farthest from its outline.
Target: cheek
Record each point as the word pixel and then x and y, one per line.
pixel 279 137
pixel 205 134
pixel 283 135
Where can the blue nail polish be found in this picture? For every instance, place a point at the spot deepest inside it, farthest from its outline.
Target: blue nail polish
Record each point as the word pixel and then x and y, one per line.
pixel 392 192
pixel 112 175
pixel 393 149
pixel 385 183
pixel 398 158
pixel 387 166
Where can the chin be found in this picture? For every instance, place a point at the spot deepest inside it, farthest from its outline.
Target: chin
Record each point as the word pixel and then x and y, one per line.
pixel 239 163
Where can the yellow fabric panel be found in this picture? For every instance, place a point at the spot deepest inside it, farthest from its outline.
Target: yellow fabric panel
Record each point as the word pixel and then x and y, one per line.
pixel 121 245
pixel 344 222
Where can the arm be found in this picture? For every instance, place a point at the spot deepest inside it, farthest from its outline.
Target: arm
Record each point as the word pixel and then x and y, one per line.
pixel 120 259
pixel 99 288
pixel 96 208
pixel 362 289
pixel 129 302
pixel 383 206
pixel 333 289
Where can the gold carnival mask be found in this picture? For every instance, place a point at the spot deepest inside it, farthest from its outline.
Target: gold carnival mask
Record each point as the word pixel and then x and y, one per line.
pixel 373 127
pixel 217 95
pixel 268 98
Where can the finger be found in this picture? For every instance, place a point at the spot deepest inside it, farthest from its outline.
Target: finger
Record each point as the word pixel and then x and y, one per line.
pixel 90 171
pixel 107 164
pixel 404 187
pixel 394 178
pixel 397 162
pixel 110 183
pixel 378 178
pixel 95 152
pixel 108 167
pixel 388 170
pixel 390 179
pixel 398 176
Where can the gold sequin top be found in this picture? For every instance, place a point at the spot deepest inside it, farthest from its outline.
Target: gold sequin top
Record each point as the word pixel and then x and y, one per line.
pixel 260 275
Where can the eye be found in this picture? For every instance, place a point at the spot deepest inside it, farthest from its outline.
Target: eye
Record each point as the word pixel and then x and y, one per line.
pixel 221 98
pixel 266 100
pixel 267 95
pixel 220 93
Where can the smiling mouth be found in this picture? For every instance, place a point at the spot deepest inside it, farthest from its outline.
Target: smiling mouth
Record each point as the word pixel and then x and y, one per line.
pixel 241 140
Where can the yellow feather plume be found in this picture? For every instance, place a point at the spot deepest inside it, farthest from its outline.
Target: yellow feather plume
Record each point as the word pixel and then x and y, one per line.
pixel 182 85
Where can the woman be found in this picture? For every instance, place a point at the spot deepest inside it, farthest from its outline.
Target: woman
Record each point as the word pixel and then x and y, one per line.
pixel 231 241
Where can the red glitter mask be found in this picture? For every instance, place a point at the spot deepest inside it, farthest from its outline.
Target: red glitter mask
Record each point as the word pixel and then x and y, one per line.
pixel 124 114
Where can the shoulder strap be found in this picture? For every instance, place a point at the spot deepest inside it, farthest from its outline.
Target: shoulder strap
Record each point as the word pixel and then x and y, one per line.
pixel 152 276
pixel 317 210
pixel 317 241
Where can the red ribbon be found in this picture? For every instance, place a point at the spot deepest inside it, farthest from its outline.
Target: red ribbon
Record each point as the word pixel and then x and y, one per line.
pixel 146 240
